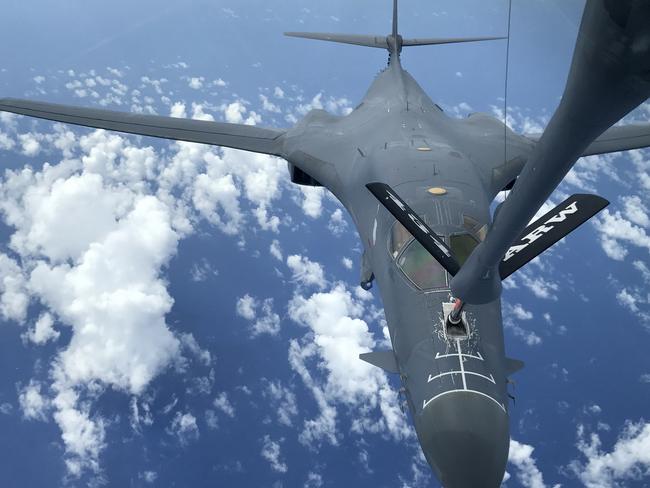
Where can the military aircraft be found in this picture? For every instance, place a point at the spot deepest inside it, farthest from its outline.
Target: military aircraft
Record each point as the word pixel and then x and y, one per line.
pixel 418 186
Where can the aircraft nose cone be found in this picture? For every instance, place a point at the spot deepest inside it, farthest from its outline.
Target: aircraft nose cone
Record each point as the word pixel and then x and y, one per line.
pixel 465 438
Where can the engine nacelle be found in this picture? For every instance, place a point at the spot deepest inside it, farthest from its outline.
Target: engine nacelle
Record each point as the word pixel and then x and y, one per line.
pixel 299 177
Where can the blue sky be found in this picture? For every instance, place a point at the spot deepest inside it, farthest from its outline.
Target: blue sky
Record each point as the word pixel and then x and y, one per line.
pixel 179 315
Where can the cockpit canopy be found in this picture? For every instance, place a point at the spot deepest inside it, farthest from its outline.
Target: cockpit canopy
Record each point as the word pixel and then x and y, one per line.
pixel 419 266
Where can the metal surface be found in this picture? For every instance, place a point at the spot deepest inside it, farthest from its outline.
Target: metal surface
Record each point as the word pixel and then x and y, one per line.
pixel 455 387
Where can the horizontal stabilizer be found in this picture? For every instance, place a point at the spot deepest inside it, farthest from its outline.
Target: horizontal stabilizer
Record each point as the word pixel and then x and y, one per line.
pixel 358 40
pixel 238 136
pixel 513 365
pixel 415 225
pixel 382 359
pixel 383 41
pixel 550 228
pixel 448 40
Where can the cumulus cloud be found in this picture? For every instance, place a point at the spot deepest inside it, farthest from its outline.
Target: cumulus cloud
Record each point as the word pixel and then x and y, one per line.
pixel 196 83
pixel 284 402
pixel 312 202
pixel 14 297
pixel 337 224
pixel 92 235
pixel 246 307
pixel 271 451
pixel 276 250
pixel 43 330
pixel 628 460
pixel 184 428
pixel 222 403
pixel 616 231
pixel 337 335
pixel 237 113
pixel 527 472
pixel 513 316
pixel 306 272
pixel 33 404
pixel 264 322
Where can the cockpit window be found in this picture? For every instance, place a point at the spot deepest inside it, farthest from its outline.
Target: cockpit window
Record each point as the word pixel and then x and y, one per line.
pixel 399 236
pixel 421 268
pixel 462 246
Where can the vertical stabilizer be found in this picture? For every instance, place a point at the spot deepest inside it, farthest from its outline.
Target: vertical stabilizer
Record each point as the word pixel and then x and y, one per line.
pixel 395 32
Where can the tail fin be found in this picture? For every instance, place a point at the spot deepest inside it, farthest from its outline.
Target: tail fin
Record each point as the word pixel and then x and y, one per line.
pixel 393 42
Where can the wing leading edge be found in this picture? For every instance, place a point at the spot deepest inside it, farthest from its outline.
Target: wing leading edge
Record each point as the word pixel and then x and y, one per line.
pixel 238 136
pixel 614 139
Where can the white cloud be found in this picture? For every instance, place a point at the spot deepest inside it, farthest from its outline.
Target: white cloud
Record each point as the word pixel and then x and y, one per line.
pixel 266 322
pixel 190 343
pixel 528 474
pixel 246 307
pixel 337 336
pixel 347 263
pixel 337 224
pixel 196 83
pixel 628 460
pixel 178 110
pixel 14 297
pixel 202 270
pixel 268 105
pixel 30 144
pixel 283 401
pixel 312 202
pixel 520 313
pixel 94 261
pixel 643 269
pixel 222 403
pixel 6 142
pixel 148 477
pixel 102 276
pixel 306 272
pixel 114 296
pixel 276 250
pixel 540 287
pixel 511 314
pixel 314 480
pixel 43 330
pixel 635 210
pixel 616 231
pixel 237 113
pixel 32 403
pixel 339 106
pixel 184 427
pixel 272 453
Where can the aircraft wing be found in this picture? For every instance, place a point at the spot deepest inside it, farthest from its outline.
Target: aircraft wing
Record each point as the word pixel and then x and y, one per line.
pixel 618 138
pixel 238 136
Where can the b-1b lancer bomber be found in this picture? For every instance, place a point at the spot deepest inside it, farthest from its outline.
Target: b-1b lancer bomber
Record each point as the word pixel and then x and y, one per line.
pixel 418 186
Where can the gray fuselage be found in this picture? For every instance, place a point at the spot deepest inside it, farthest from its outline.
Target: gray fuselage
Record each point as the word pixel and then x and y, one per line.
pixel 455 387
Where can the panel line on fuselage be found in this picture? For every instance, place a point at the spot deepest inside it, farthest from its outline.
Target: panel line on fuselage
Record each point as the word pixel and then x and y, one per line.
pixel 461 359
